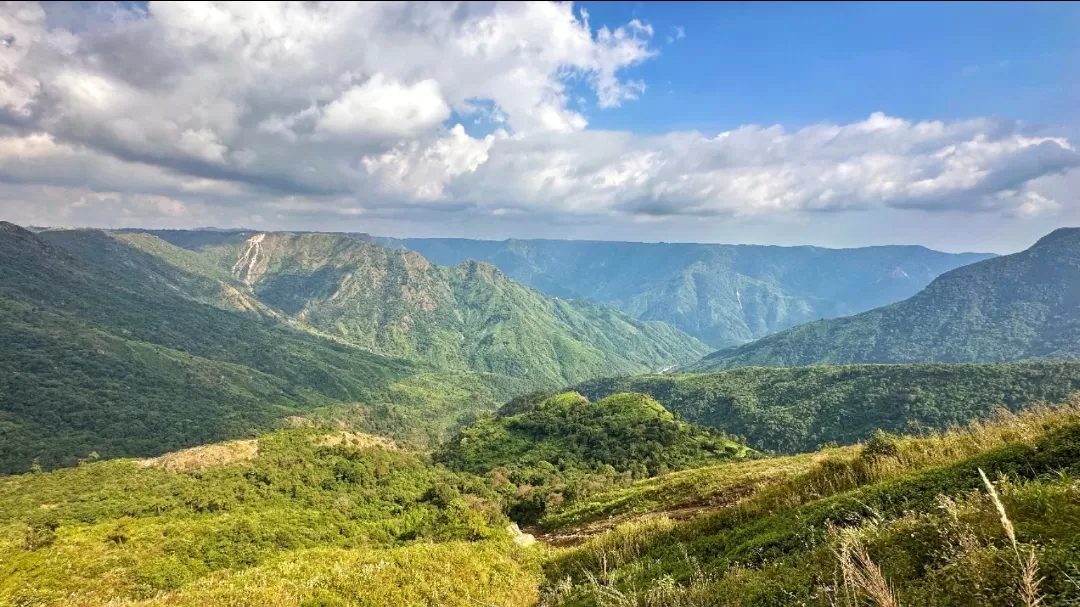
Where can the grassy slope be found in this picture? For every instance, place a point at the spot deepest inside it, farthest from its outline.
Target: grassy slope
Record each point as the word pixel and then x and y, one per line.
pixel 305 518
pixel 1015 307
pixel 914 503
pixel 722 294
pixel 691 492
pixel 802 408
pixel 104 350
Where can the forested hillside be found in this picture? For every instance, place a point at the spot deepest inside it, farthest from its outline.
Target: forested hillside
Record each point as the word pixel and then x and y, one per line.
pixel 721 294
pixel 104 351
pixel 1016 307
pixel 127 344
pixel 804 408
pixel 470 316
pixel 547 449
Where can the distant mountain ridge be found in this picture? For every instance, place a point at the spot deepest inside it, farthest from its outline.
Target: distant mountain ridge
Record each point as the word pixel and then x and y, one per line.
pixel 470 316
pixel 722 294
pixel 1009 308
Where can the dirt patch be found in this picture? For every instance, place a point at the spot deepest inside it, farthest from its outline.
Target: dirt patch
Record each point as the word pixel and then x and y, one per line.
pixel 357 440
pixel 574 536
pixel 252 261
pixel 207 456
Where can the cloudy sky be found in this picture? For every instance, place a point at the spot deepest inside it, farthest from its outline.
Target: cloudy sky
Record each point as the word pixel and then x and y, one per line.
pixel 954 126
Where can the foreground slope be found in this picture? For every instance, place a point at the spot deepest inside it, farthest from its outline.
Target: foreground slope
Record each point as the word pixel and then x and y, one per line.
pixel 295 518
pixel 721 294
pixel 803 408
pixel 107 349
pixel 1020 306
pixel 470 316
pixel 301 518
pixel 899 521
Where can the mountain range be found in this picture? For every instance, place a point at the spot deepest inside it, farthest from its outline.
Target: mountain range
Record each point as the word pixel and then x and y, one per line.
pixel 126 344
pixel 397 303
pixel 1014 307
pixel 133 342
pixel 722 294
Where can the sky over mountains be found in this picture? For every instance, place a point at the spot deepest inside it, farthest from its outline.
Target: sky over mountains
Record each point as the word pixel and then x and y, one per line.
pixel 526 120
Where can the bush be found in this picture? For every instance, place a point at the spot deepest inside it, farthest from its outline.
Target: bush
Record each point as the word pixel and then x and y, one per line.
pixel 881 444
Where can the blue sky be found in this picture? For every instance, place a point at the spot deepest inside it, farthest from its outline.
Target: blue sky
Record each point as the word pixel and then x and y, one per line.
pixel 800 63
pixel 951 125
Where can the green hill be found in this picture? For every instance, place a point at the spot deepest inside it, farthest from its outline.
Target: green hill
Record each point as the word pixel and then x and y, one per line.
pixel 106 348
pixel 1015 307
pixel 721 294
pixel 128 344
pixel 624 431
pixel 544 449
pixel 800 409
pixel 470 316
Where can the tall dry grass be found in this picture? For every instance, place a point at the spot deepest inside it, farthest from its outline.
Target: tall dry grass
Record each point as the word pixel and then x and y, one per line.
pixel 862 577
pixel 850 469
pixel 1029 567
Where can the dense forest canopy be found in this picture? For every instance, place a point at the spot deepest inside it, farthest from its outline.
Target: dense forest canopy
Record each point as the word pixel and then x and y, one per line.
pixel 804 408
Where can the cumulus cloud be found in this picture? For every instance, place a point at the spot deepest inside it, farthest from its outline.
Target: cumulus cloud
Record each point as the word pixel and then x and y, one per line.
pixel 385 109
pixel 231 110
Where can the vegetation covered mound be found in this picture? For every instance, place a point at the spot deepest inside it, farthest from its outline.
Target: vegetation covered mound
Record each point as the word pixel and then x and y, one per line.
pixel 542 450
pixel 628 432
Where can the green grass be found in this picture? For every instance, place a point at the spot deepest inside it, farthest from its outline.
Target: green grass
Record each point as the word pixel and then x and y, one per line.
pixel 303 517
pixel 462 574
pixel 779 546
pixel 707 488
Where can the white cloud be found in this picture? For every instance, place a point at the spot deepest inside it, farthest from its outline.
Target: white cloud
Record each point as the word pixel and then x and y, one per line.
pixel 415 173
pixel 879 162
pixel 344 110
pixel 385 109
